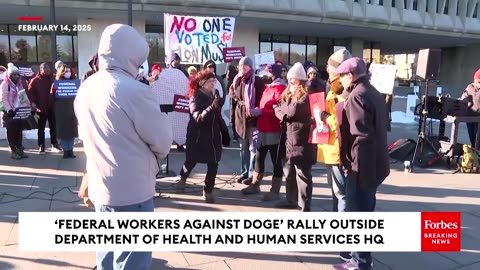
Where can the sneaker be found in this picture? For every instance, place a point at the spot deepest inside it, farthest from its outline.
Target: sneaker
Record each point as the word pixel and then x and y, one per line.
pixel 41 149
pixel 208 197
pixel 22 153
pixel 243 177
pixel 345 256
pixel 15 155
pixel 247 181
pixel 56 148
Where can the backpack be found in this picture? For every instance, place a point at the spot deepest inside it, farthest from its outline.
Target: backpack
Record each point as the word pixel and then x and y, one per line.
pixel 469 162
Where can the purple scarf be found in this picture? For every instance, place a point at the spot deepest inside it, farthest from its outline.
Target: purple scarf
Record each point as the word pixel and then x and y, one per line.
pixel 249 94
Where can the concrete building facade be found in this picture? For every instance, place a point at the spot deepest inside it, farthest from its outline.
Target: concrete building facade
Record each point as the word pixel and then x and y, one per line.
pixel 296 30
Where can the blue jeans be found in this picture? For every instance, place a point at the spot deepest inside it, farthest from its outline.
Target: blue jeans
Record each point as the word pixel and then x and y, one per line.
pixel 359 200
pixel 336 180
pixel 247 156
pixel 125 260
pixel 67 144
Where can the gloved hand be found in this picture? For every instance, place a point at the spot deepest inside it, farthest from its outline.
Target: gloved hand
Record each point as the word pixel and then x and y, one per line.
pixel 12 113
pixel 217 102
pixel 256 112
pixel 324 115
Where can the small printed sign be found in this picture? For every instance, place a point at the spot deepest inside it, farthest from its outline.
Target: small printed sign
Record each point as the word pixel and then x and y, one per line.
pixel 233 53
pixel 22 113
pixel 66 88
pixel 180 104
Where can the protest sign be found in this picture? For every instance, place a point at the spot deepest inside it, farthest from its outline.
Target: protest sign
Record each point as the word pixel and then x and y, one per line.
pixel 262 59
pixel 22 113
pixel 320 130
pixel 198 39
pixel 383 78
pixel 172 82
pixel 66 88
pixel 232 54
pixel 180 104
pixel 26 72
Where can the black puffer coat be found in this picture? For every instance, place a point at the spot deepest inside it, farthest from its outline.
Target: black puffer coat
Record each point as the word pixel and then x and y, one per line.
pixel 206 130
pixel 296 116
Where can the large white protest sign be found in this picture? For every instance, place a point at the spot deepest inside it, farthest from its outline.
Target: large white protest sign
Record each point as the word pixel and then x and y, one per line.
pixel 171 87
pixel 383 78
pixel 198 39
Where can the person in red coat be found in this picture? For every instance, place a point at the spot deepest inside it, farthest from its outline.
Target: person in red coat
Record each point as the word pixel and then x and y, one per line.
pixel 269 137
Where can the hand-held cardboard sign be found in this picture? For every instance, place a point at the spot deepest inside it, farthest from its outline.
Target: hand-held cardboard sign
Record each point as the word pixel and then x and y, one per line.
pixel 198 39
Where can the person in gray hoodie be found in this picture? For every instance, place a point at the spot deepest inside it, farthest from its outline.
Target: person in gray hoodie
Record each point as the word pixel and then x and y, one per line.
pixel 125 134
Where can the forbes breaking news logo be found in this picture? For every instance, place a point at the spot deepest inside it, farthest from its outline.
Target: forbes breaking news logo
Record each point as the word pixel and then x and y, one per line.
pixel 441 231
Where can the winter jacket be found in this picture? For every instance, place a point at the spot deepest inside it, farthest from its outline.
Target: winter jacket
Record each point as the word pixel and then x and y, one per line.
pixel 9 94
pixel 329 153
pixel 363 129
pixel 206 130
pixel 67 125
pixel 267 121
pixel 124 131
pixel 297 118
pixel 316 86
pixel 472 95
pixel 242 122
pixel 39 93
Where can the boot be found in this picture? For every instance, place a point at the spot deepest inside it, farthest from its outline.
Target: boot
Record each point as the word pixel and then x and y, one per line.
pixel 21 152
pixel 65 154
pixel 254 187
pixel 274 193
pixel 16 155
pixel 208 197
pixel 248 181
pixel 71 155
pixel 180 185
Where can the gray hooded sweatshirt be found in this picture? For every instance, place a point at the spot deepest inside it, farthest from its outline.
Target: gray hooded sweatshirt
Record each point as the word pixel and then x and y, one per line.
pixel 124 130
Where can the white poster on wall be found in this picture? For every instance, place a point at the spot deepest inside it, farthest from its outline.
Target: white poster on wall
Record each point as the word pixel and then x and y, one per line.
pixel 383 77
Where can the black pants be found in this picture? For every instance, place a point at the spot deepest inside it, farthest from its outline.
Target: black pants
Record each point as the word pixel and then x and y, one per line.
pixel 212 169
pixel 14 132
pixel 42 122
pixel 472 132
pixel 276 161
pixel 299 184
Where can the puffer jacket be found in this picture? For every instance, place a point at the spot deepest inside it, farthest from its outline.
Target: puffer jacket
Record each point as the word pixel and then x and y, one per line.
pixel 124 131
pixel 9 94
pixel 267 121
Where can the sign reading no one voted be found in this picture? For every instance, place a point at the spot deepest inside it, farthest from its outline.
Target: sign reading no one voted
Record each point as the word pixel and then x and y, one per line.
pixel 66 88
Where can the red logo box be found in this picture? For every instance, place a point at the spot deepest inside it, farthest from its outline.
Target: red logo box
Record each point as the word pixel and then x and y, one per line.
pixel 441 231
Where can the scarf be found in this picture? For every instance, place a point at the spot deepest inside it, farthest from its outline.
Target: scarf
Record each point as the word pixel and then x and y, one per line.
pixel 249 95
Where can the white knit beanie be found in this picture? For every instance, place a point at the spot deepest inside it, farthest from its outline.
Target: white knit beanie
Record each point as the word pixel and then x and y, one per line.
pixel 338 57
pixel 57 64
pixel 11 68
pixel 297 72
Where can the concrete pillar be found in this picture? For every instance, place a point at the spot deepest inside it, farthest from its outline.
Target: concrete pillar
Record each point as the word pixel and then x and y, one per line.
pixel 355 46
pixel 246 35
pixel 88 40
pixel 457 68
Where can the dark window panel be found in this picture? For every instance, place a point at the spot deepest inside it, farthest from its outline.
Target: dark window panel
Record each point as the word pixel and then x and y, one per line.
pixel 4 46
pixel 23 47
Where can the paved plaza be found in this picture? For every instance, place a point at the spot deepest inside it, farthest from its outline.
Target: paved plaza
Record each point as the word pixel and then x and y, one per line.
pixel 55 181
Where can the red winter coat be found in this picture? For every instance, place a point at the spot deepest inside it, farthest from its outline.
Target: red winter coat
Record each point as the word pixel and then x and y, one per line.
pixel 267 121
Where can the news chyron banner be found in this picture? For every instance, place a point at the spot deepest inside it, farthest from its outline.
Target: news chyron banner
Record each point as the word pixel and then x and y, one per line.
pixel 236 232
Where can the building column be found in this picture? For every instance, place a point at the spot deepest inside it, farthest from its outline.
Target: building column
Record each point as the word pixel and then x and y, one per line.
pixel 355 46
pixel 88 40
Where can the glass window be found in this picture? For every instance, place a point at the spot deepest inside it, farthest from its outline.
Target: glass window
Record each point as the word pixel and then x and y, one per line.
pixel 281 52
pixel 312 49
pixel 265 38
pixel 265 46
pixel 367 52
pixel 75 49
pixel 325 49
pixel 157 50
pixel 64 48
pixel 298 48
pixel 4 54
pixel 23 46
pixel 44 48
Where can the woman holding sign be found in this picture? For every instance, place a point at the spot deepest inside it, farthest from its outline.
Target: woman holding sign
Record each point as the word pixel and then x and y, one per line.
pixel 67 129
pixel 206 131
pixel 293 110
pixel 11 86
